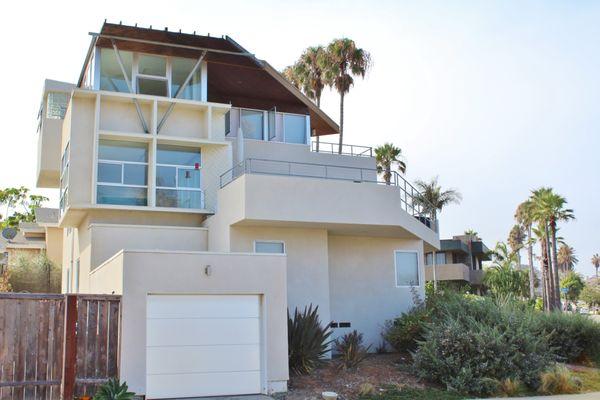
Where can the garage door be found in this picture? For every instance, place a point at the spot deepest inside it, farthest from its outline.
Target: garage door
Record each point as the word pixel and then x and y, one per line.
pixel 202 345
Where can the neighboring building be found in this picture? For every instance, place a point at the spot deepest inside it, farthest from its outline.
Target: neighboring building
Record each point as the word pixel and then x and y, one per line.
pixel 209 235
pixel 459 259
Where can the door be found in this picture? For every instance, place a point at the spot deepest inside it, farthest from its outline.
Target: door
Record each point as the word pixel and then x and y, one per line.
pixel 202 345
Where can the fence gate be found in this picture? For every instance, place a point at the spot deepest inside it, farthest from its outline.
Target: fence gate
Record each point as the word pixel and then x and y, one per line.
pixel 55 346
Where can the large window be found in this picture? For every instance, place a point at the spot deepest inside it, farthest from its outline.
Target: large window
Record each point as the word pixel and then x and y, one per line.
pixel 122 173
pixel 407 268
pixel 272 247
pixel 111 76
pixel 180 69
pixel 294 128
pixel 178 177
pixel 152 75
pixel 440 258
pixel 252 124
pixel 56 106
pixel 64 179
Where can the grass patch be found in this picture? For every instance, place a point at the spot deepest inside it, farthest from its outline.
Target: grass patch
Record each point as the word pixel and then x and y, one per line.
pixel 394 393
pixel 590 380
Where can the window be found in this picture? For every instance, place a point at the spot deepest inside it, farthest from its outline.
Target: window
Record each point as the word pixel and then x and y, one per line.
pixel 122 173
pixel 294 128
pixel 180 69
pixel 56 106
pixel 252 124
pixel 178 177
pixel 64 179
pixel 272 124
pixel 227 122
pixel 440 258
pixel 272 247
pixel 111 77
pixel 152 75
pixel 407 268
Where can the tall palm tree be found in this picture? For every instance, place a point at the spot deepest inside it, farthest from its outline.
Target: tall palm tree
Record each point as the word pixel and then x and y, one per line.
pixel 472 234
pixel 524 217
pixel 516 238
pixel 432 198
pixel 341 62
pixel 547 290
pixel 566 258
pixel 596 262
pixel 386 157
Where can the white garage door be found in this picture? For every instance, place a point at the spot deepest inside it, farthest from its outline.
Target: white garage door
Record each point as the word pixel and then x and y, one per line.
pixel 202 345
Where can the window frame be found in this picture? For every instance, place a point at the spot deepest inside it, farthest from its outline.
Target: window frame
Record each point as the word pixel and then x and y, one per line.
pixel 136 74
pixel 283 114
pixel 179 167
pixel 270 241
pixel 419 277
pixel 262 112
pixel 64 178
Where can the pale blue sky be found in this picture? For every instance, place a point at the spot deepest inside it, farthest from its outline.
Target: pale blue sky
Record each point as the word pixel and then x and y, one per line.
pixel 495 97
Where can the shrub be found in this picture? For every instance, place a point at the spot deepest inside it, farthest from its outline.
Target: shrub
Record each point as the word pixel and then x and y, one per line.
pixel 403 332
pixel 113 390
pixel 366 389
pixel 559 380
pixel 473 344
pixel 351 350
pixel 510 387
pixel 307 340
pixel 573 337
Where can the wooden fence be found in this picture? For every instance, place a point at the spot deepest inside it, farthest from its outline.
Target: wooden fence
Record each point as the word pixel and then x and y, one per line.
pixel 57 346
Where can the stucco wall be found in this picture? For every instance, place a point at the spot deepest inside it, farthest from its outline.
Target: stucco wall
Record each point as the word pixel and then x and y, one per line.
pixel 155 272
pixel 54 245
pixel 362 283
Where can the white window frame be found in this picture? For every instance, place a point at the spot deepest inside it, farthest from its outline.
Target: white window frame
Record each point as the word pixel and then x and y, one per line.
pixel 306 127
pixel 262 139
pixel 135 72
pixel 177 187
pixel 122 164
pixel 419 277
pixel 270 241
pixel 64 178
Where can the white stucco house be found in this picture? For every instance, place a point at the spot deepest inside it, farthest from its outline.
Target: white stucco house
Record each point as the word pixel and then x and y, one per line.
pixel 189 185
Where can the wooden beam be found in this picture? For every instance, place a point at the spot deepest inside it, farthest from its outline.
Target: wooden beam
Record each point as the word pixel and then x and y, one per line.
pixel 69 348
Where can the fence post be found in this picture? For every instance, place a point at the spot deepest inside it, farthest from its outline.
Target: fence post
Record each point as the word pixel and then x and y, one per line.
pixel 69 348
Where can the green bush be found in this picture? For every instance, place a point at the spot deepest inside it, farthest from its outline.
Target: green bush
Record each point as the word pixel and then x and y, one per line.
pixel 307 340
pixel 113 390
pixel 559 380
pixel 573 337
pixel 472 344
pixel 351 350
pixel 403 332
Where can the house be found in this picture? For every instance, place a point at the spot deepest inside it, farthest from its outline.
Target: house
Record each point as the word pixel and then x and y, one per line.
pixel 459 259
pixel 189 186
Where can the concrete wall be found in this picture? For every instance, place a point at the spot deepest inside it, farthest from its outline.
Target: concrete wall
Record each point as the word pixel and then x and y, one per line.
pixel 362 283
pixel 448 272
pixel 54 245
pixel 143 272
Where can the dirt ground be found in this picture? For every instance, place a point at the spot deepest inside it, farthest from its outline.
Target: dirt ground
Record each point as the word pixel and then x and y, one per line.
pixel 379 370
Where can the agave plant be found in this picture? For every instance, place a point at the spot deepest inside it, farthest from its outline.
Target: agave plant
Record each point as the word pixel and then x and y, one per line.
pixel 113 390
pixel 307 340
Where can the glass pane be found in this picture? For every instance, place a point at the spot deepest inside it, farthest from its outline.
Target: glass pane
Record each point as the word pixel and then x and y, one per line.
pixel 294 128
pixel 179 198
pixel 189 178
pixel 407 269
pixel 227 122
pixel 109 173
pixel 111 77
pixel 181 68
pixel 269 247
pixel 123 151
pixel 252 124
pixel 57 105
pixel 177 155
pixel 152 65
pixel 135 174
pixel 272 125
pixel 122 195
pixel 165 176
pixel 154 87
pixel 429 259
pixel 440 258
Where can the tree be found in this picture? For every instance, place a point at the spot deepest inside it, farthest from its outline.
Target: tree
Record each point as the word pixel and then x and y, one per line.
pixel 516 238
pixel 591 294
pixel 432 198
pixel 523 216
pixel 596 263
pixel 341 62
pixel 20 206
pixel 566 258
pixel 387 156
pixel 34 274
pixel 472 234
pixel 502 278
pixel 573 283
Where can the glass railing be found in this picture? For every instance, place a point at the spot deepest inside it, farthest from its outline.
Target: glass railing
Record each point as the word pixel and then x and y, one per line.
pixel 180 198
pixel 346 149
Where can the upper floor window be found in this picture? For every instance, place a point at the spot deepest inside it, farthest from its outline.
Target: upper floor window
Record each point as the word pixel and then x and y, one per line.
pixel 180 69
pixel 111 76
pixel 252 124
pixel 56 105
pixel 407 268
pixel 152 75
pixel 122 173
pixel 294 128
pixel 227 122
pixel 64 179
pixel 178 181
pixel 440 258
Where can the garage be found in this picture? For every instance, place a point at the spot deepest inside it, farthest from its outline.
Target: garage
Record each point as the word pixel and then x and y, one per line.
pixel 203 345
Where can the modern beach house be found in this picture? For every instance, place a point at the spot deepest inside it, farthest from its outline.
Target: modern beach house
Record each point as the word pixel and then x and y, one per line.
pixel 190 185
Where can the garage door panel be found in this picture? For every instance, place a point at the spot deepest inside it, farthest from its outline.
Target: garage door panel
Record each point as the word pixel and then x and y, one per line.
pixel 194 332
pixel 213 384
pixel 211 306
pixel 198 359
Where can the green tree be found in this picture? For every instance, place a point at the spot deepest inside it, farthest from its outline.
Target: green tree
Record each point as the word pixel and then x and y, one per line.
pixel 596 263
pixel 386 157
pixel 34 274
pixel 591 294
pixel 19 205
pixel 516 238
pixel 502 277
pixel 573 283
pixel 566 258
pixel 432 198
pixel 523 216
pixel 341 62
pixel 472 234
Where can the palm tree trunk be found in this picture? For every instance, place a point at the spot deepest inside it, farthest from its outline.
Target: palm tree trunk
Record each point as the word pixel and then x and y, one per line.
pixel 551 284
pixel 388 174
pixel 555 264
pixel 341 121
pixel 531 269
pixel 319 106
pixel 545 279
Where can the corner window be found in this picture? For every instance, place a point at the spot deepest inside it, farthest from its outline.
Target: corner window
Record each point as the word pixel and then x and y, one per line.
pixel 407 268
pixel 56 105
pixel 180 69
pixel 111 76
pixel 178 181
pixel 294 128
pixel 252 124
pixel 272 247
pixel 122 173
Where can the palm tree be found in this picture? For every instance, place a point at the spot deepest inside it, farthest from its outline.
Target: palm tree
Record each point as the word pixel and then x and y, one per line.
pixel 524 217
pixel 472 234
pixel 341 62
pixel 502 277
pixel 516 238
pixel 596 263
pixel 432 198
pixel 566 258
pixel 385 157
pixel 547 291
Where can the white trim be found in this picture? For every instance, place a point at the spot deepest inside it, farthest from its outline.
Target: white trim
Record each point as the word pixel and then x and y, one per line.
pixel 129 226
pixel 416 252
pixel 269 241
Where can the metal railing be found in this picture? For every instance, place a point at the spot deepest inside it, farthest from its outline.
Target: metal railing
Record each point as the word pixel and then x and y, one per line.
pixel 410 199
pixel 347 149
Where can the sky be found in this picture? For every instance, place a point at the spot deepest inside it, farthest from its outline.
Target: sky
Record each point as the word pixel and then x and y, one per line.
pixel 496 98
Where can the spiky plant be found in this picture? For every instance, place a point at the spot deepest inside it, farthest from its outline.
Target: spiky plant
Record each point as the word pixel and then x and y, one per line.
pixel 351 350
pixel 307 340
pixel 113 390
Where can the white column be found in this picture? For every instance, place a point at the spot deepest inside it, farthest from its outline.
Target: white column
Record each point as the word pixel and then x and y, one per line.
pixel 203 81
pixel 308 130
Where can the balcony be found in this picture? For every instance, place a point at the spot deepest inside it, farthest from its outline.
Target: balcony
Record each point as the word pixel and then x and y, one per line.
pixel 454 272
pixel 365 184
pixel 347 149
